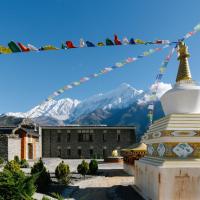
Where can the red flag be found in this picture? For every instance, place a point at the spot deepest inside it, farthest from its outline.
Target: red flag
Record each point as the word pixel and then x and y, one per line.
pixel 70 44
pixel 116 40
pixel 22 47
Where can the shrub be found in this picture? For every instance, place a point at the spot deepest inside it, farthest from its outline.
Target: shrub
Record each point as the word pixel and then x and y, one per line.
pixel 43 176
pixel 62 173
pixel 1 160
pixel 12 166
pixel 57 196
pixel 93 167
pixel 16 186
pixel 83 168
pixel 16 159
pixel 24 163
pixel 45 198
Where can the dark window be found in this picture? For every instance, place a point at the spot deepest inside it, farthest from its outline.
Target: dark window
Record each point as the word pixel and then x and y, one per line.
pixel 103 137
pixel 68 152
pixel 91 152
pixel 79 153
pixel 104 153
pixel 85 137
pixel 68 137
pixel 59 152
pixel 58 138
pixel 118 137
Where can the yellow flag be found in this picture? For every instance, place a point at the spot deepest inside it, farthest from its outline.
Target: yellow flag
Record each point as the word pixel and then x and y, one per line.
pixel 5 50
pixel 49 47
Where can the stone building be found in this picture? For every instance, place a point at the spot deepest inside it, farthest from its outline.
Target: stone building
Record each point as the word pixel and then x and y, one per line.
pixel 84 141
pixel 22 141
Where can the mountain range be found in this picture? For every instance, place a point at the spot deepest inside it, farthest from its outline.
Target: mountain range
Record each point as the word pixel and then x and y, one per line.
pixel 124 105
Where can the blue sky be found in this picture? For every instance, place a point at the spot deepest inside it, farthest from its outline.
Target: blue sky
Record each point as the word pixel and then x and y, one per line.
pixel 27 79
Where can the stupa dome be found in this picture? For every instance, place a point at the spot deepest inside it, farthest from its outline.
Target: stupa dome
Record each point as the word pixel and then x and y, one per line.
pixel 184 97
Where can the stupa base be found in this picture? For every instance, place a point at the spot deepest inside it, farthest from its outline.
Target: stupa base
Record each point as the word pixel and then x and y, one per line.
pixel 159 179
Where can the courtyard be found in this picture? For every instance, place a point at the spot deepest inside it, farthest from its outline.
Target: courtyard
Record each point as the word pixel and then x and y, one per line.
pixel 110 183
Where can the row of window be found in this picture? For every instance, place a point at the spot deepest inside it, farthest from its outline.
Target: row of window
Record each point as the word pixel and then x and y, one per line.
pixel 79 152
pixel 86 137
pixel 86 131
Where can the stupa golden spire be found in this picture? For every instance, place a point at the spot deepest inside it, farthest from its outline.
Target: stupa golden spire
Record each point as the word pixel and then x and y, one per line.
pixel 184 68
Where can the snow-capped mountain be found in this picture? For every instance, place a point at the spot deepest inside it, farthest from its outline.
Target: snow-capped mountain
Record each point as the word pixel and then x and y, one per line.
pixel 59 110
pixel 100 106
pixel 121 97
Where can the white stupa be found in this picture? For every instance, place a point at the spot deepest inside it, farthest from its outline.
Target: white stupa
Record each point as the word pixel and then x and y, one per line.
pixel 171 169
pixel 184 97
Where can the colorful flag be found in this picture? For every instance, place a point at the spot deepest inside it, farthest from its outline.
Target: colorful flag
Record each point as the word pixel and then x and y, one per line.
pixel 116 40
pixel 109 42
pixel 125 41
pixel 63 46
pixel 70 45
pixel 132 41
pixel 100 44
pixel 32 48
pixel 5 50
pixel 23 48
pixel 14 48
pixel 139 41
pixel 82 43
pixel 90 44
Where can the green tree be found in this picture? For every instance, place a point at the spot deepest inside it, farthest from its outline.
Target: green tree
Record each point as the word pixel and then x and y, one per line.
pixel 12 166
pixel 43 177
pixel 62 172
pixel 83 168
pixel 14 185
pixel 16 159
pixel 93 166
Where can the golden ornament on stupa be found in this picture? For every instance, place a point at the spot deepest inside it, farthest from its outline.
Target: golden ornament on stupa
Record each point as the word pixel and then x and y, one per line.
pixel 184 68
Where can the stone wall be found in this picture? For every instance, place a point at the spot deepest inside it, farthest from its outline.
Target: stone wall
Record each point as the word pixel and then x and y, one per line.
pixel 14 147
pixel 57 142
pixel 4 147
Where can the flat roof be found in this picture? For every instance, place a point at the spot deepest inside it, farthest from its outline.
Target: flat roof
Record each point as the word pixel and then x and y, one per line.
pixel 86 127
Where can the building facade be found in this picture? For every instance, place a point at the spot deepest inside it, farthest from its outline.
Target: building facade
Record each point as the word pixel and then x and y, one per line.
pixel 21 141
pixel 84 141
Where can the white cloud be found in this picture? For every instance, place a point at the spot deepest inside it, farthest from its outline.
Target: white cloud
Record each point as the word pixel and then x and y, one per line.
pixel 162 88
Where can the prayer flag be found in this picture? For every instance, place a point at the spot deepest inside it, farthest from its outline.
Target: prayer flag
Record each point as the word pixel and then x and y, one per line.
pixel 70 44
pixel 23 48
pixel 132 41
pixel 5 50
pixel 14 47
pixel 109 42
pixel 90 44
pixel 125 41
pixel 32 48
pixel 82 43
pixel 100 44
pixel 116 40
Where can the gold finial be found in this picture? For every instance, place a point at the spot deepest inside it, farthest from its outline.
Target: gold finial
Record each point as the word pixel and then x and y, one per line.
pixel 184 68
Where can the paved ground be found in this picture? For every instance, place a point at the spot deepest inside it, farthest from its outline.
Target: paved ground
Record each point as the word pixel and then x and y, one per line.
pixel 112 181
pixel 100 188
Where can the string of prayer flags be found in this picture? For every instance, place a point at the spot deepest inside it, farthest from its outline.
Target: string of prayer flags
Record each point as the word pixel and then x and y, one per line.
pixel 104 71
pixel 153 95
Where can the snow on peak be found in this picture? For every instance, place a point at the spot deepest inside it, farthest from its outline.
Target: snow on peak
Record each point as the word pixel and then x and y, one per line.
pixel 59 110
pixel 71 109
pixel 120 97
